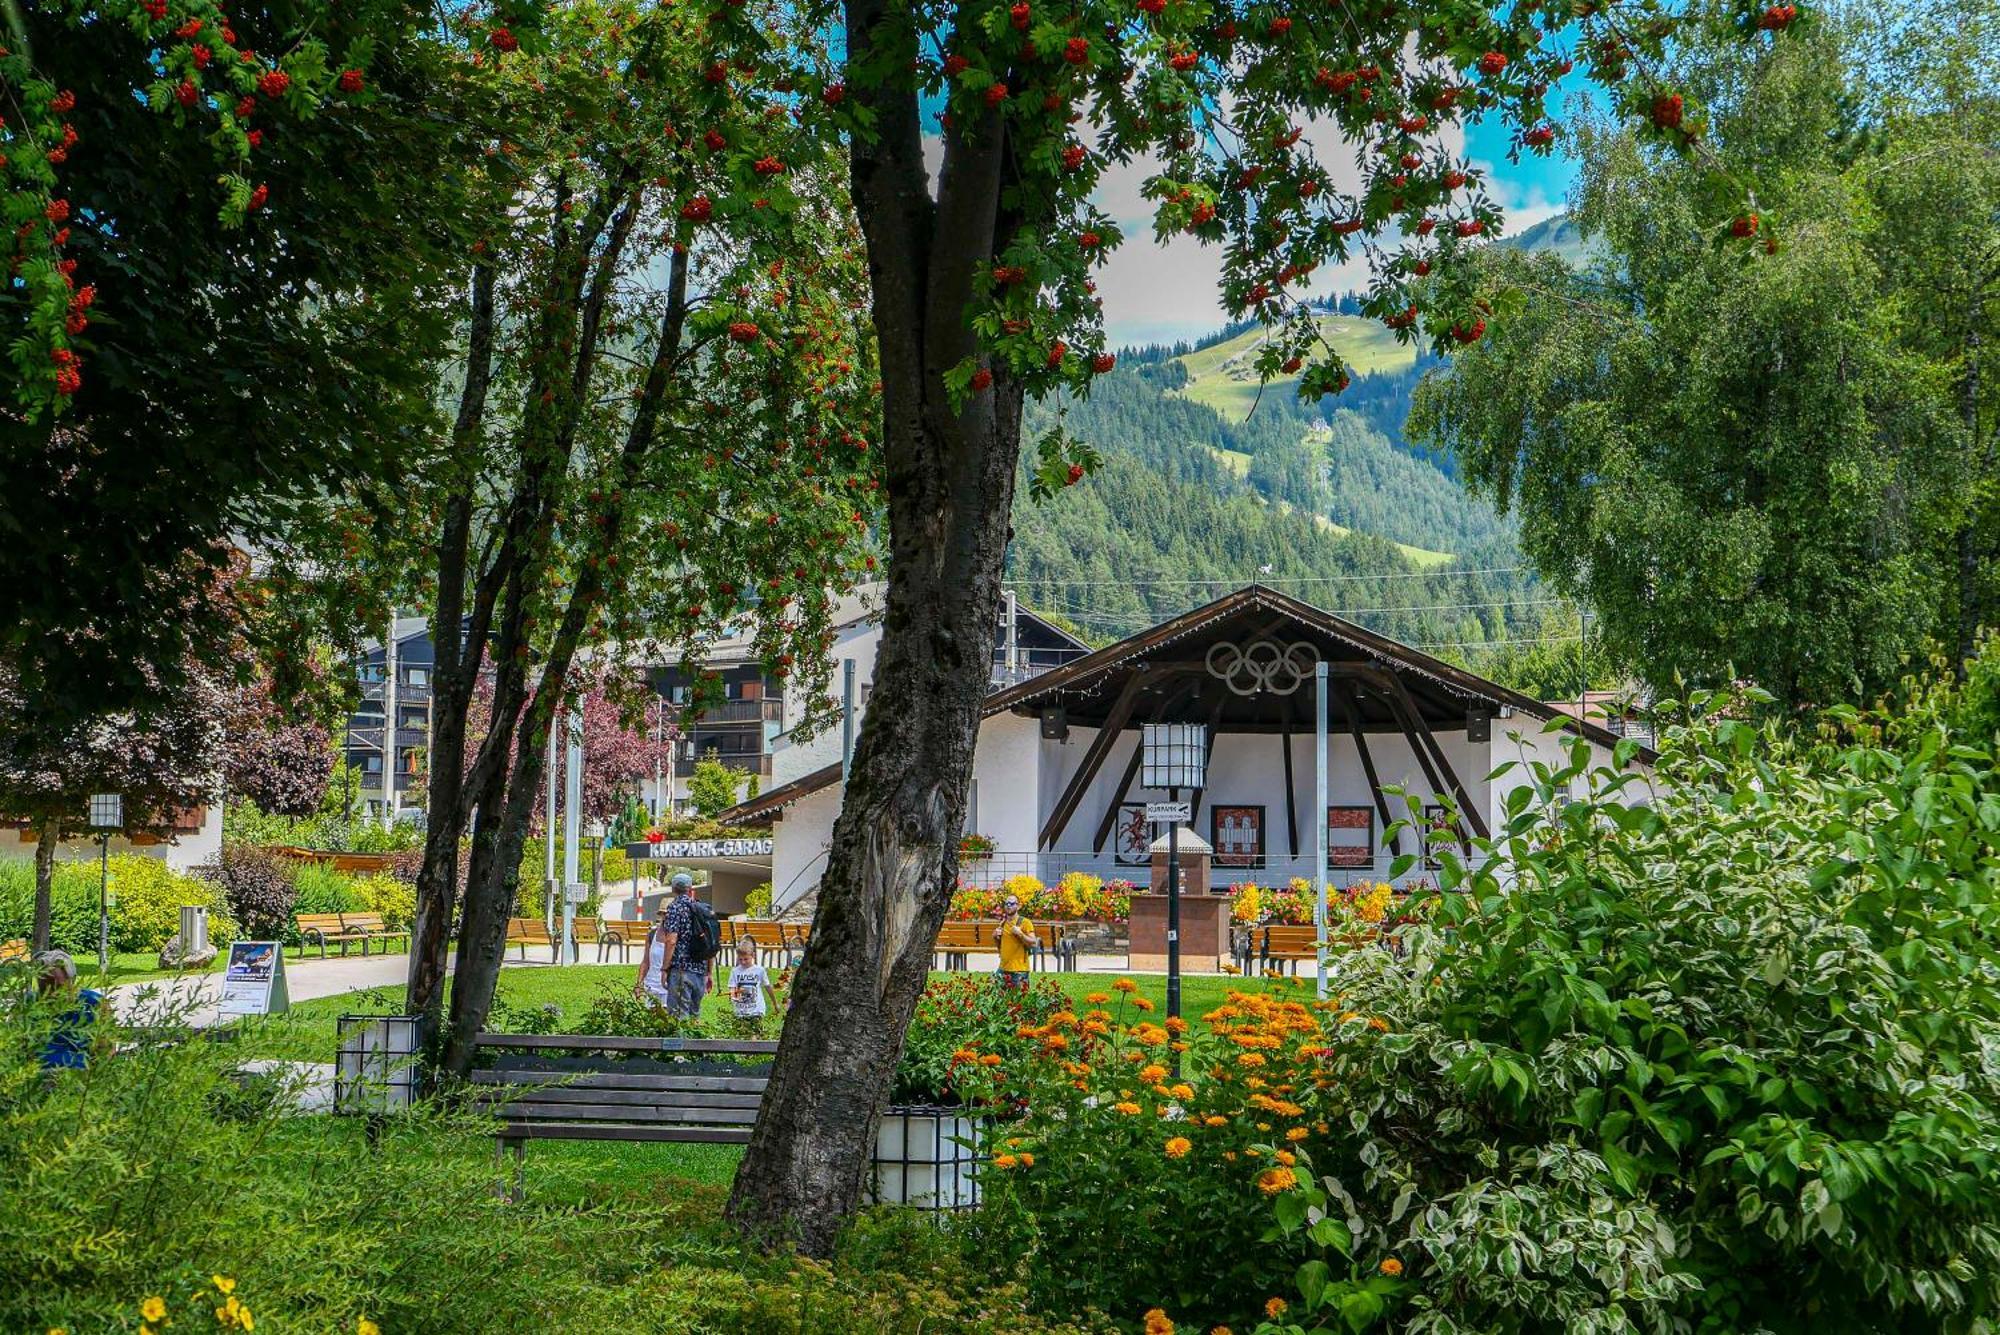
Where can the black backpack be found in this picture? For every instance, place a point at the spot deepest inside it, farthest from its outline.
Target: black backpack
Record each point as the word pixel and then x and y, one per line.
pixel 704 932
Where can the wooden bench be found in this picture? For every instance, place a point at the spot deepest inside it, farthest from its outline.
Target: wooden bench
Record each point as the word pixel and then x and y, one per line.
pixel 344 929
pixel 12 952
pixel 777 943
pixel 1278 944
pixel 958 940
pixel 525 932
pixel 620 934
pixel 586 1087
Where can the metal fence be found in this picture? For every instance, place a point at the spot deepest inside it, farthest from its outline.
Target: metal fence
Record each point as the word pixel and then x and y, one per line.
pixel 996 869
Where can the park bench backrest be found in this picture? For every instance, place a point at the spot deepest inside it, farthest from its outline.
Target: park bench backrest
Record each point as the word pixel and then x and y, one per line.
pixel 17 949
pixel 527 929
pixel 1286 939
pixel 585 1087
pixel 363 922
pixel 319 922
pixel 758 931
pixel 630 930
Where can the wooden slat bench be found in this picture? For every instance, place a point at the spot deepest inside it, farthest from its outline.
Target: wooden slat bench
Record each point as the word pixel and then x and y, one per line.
pixel 596 1087
pixel 1279 944
pixel 620 934
pixel 958 940
pixel 344 930
pixel 525 932
pixel 777 943
pixel 13 952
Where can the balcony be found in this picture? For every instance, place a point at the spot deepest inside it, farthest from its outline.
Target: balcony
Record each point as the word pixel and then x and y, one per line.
pixel 741 711
pixel 748 762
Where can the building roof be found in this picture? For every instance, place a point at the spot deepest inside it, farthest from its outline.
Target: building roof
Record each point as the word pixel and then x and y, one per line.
pixel 1191 668
pixel 860 605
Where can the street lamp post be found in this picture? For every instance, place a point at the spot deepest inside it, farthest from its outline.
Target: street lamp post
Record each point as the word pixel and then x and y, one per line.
pixel 107 817
pixel 1173 756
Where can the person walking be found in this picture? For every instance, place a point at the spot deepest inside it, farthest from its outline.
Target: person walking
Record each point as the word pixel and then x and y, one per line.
pixel 1015 935
pixel 688 935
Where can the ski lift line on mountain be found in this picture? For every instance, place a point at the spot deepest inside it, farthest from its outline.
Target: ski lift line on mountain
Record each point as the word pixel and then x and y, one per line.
pixel 1282 579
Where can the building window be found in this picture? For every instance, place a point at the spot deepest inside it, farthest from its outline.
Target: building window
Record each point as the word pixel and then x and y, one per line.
pixel 417 676
pixel 371 763
pixel 373 672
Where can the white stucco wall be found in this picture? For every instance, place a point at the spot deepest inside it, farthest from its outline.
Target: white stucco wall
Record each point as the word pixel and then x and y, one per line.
pixel 799 841
pixel 790 759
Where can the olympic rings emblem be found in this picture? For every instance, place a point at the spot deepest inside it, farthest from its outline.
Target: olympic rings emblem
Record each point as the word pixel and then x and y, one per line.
pixel 1262 666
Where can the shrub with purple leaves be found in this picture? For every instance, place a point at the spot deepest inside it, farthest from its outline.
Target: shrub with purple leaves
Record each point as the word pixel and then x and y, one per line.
pixel 259 887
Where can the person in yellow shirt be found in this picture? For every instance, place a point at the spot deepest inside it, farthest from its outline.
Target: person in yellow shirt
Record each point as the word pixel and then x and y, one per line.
pixel 1016 937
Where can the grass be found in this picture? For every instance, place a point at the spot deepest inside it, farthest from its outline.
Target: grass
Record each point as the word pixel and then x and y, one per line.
pixel 1235 461
pixel 1224 376
pixel 131 966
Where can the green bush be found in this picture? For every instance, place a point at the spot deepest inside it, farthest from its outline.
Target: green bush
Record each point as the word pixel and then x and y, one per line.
pixel 147 900
pixel 73 904
pixel 321 889
pixel 257 885
pixel 395 900
pixel 1720 1062
pixel 757 904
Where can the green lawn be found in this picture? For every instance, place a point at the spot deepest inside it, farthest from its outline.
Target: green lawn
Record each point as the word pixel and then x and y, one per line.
pixel 130 966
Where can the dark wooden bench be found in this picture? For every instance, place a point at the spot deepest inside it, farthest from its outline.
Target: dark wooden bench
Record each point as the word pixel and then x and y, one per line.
pixel 599 1087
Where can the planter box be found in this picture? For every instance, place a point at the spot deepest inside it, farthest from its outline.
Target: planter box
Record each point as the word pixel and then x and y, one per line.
pixel 919 1159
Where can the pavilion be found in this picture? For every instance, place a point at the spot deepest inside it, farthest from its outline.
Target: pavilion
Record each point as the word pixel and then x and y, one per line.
pixel 1056 769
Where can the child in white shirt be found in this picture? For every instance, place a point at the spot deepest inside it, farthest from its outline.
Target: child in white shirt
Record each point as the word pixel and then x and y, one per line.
pixel 750 993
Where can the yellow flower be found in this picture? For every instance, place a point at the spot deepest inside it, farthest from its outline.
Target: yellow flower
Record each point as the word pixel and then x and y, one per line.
pixel 1249 1059
pixel 1157 1323
pixel 223 1284
pixel 153 1309
pixel 1096 998
pixel 1127 985
pixel 1178 1147
pixel 1127 1107
pixel 1275 1308
pixel 1229 1156
pixel 1181 1092
pixel 1392 1267
pixel 1297 1133
pixel 366 1327
pixel 1286 1157
pixel 1274 1180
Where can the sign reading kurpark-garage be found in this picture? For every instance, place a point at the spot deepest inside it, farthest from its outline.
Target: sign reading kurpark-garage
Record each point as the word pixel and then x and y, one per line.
pixel 685 849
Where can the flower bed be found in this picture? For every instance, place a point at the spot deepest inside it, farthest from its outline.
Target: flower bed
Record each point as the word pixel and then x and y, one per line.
pixel 1361 905
pixel 1077 897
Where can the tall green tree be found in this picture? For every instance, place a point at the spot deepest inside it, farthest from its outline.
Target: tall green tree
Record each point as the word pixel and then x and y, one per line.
pixel 713 785
pixel 983 295
pixel 1766 447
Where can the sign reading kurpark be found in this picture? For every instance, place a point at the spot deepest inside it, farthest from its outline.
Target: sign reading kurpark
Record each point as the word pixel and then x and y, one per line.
pixel 685 849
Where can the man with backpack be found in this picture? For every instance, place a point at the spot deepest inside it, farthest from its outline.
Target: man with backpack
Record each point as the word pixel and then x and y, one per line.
pixel 689 937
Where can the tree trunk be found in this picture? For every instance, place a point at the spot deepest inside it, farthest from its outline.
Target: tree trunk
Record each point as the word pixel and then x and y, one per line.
pixel 47 831
pixel 893 862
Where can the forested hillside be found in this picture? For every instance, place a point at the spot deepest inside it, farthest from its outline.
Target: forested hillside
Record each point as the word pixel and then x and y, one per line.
pixel 1192 502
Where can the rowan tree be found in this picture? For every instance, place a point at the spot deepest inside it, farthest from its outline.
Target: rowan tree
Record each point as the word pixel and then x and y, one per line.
pixel 226 230
pixel 664 413
pixel 1249 113
pixel 618 751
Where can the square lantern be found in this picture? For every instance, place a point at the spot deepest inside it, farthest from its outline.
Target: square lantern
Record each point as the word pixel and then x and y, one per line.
pixel 107 811
pixel 376 1067
pixel 1173 755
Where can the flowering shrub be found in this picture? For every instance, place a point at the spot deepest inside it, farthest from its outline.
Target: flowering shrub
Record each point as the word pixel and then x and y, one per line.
pixel 147 898
pixel 1078 897
pixel 1359 906
pixel 1140 1188
pixel 960 1015
pixel 975 847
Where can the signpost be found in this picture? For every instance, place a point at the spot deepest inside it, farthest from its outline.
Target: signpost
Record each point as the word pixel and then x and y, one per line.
pixel 254 981
pixel 1168 813
pixel 1173 756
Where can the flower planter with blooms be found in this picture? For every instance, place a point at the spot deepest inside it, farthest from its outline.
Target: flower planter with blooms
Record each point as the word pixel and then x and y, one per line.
pixel 1167 1181
pixel 975 848
pixel 1077 897
pixel 1359 907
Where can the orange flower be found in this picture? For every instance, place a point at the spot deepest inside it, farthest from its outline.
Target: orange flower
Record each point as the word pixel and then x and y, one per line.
pixel 1027 1159
pixel 1297 1133
pixel 1181 1092
pixel 1275 1308
pixel 1274 1180
pixel 1249 1059
pixel 1213 1120
pixel 1176 1025
pixel 1005 1161
pixel 1286 1157
pixel 1178 1147
pixel 1157 1323
pixel 1153 1073
pixel 1127 985
pixel 1142 1003
pixel 1096 998
pixel 1379 1023
pixel 1129 1108
pixel 990 1059
pixel 1392 1267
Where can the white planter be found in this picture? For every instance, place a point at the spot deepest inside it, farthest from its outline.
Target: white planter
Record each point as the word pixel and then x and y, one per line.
pixel 927 1158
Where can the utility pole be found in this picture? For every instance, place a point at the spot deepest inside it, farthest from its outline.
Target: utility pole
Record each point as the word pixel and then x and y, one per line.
pixel 846 717
pixel 1319 819
pixel 549 834
pixel 572 815
pixel 659 744
pixel 389 803
pixel 1013 635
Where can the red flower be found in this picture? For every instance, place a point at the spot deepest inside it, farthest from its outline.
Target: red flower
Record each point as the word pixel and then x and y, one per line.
pixel 1076 50
pixel 185 93
pixel 57 210
pixel 743 331
pixel 500 39
pixel 659 836
pixel 1468 333
pixel 768 166
pixel 1103 362
pixel 1019 15
pixel 351 81
pixel 1073 156
pixel 1057 352
pixel 698 209
pixel 1744 225
pixel 982 380
pixel 258 196
pixel 1280 26
pixel 274 83
pixel 1089 241
pixel 1492 63
pixel 996 94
